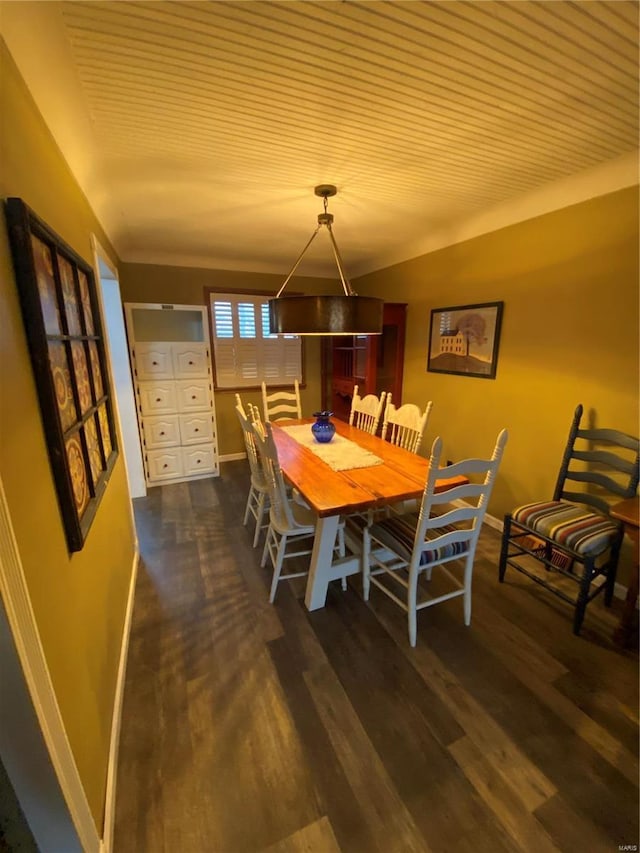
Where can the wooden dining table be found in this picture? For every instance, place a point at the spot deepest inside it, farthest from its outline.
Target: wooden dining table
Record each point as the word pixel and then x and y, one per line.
pixel 401 476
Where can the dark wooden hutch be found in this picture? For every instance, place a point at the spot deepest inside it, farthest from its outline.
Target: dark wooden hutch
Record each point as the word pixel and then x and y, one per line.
pixel 372 362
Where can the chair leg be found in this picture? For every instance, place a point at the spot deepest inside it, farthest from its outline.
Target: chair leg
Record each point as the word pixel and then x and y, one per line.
pixel 260 515
pixel 611 573
pixel 412 600
pixel 504 548
pixel 265 550
pixel 468 574
pixel 366 568
pixel 247 508
pixel 583 595
pixel 277 569
pixel 341 552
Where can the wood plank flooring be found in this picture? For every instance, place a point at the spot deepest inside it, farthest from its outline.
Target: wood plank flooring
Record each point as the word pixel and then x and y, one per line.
pixel 257 728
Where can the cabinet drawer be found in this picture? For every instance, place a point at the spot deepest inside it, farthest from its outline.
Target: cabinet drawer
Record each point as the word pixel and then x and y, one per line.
pixel 161 431
pixel 193 396
pixel 199 460
pixel 165 464
pixel 157 398
pixel 190 360
pixel 195 429
pixel 154 360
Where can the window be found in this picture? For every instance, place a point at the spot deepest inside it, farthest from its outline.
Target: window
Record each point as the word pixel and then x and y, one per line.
pixel 245 352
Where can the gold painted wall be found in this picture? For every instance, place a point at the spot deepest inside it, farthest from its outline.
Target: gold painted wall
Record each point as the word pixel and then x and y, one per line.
pixel 569 282
pixel 79 601
pixel 185 286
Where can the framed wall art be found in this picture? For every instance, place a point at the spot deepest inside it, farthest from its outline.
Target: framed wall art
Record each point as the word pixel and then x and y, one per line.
pixel 62 322
pixel 464 340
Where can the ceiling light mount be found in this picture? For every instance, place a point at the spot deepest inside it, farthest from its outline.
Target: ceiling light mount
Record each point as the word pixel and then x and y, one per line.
pixel 347 314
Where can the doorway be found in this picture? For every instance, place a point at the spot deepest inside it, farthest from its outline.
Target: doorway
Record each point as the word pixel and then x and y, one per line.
pixel 118 355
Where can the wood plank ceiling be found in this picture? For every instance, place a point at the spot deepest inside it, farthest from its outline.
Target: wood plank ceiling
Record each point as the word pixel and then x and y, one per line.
pixel 213 121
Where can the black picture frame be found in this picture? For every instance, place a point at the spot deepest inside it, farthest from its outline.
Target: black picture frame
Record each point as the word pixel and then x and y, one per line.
pixel 62 321
pixel 464 339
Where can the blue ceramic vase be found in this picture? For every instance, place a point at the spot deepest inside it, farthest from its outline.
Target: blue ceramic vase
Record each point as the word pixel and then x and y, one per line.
pixel 323 429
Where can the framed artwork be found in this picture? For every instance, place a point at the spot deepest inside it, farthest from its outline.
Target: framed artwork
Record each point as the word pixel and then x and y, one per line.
pixel 62 322
pixel 464 340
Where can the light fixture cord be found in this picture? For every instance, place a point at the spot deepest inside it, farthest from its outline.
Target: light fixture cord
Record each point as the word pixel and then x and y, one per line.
pixel 346 284
pixel 295 266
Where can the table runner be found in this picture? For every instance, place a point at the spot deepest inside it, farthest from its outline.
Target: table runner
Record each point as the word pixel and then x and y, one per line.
pixel 340 454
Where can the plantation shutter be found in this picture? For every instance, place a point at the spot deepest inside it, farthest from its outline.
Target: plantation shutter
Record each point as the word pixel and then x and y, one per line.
pixel 245 353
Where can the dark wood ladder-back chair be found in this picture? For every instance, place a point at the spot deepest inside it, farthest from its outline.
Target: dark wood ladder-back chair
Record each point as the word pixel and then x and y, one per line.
pixel 573 535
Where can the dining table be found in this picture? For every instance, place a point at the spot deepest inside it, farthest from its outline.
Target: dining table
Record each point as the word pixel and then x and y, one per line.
pixel 397 475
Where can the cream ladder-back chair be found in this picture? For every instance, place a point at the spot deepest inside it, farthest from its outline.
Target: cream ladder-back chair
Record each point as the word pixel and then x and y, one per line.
pixel 288 520
pixel 281 403
pixel 258 499
pixel 366 411
pixel 405 426
pixel 402 547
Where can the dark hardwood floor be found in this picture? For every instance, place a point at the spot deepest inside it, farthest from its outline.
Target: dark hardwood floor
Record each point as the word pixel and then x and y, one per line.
pixel 249 727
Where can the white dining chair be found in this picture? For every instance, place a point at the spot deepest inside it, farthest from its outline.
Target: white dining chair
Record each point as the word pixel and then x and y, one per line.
pixel 399 549
pixel 366 411
pixel 258 499
pixel 289 521
pixel 404 425
pixel 281 403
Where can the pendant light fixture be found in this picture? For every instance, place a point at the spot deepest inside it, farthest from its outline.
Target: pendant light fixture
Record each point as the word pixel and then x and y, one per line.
pixel 344 314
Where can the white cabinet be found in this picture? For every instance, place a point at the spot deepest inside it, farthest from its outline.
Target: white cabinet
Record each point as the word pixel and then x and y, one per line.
pixel 171 366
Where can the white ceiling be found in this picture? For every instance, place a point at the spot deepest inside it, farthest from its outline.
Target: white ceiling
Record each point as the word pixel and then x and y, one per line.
pixel 199 129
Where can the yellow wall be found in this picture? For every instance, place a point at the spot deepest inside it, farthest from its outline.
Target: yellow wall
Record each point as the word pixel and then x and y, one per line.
pixel 569 282
pixel 79 601
pixel 185 286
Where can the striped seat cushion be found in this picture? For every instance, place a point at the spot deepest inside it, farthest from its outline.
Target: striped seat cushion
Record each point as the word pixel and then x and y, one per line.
pixel 398 533
pixel 570 525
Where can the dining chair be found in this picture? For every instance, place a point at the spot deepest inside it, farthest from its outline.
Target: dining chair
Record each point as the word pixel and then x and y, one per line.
pixel 405 425
pixel 258 499
pixel 573 536
pixel 289 521
pixel 366 411
pixel 402 548
pixel 281 403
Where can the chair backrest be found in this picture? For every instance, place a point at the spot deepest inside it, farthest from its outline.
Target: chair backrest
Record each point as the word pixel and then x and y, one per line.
pixel 405 425
pixel 434 532
pixel 248 435
pixel 281 403
pixel 604 461
pixel 280 510
pixel 366 411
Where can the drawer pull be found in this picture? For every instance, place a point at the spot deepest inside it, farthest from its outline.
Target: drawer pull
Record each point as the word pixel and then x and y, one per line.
pixel 193 396
pixel 197 461
pixel 158 399
pixel 165 465
pixel 162 432
pixel 197 429
pixel 190 362
pixel 154 363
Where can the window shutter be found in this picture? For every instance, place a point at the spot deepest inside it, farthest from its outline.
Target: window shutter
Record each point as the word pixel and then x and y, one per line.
pixel 245 353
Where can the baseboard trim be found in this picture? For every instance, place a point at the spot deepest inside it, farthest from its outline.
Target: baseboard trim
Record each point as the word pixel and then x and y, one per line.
pixel 106 843
pixel 232 457
pixel 619 590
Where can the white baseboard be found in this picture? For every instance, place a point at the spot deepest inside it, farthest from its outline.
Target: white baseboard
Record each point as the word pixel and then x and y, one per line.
pixel 106 843
pixel 232 457
pixel 494 522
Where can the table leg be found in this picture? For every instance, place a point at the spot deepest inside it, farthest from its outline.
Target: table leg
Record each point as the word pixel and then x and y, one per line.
pixel 323 567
